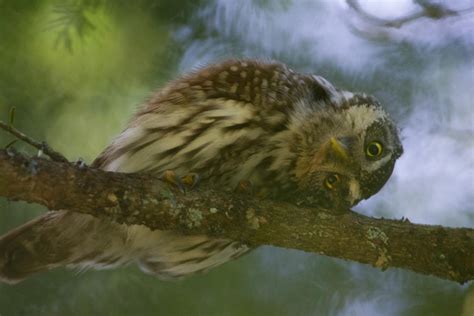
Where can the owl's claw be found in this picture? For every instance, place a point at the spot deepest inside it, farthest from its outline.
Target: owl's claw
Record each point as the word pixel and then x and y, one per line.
pixel 171 178
pixel 191 180
pixel 188 181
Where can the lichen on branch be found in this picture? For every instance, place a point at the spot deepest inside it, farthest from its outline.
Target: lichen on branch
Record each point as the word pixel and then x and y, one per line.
pixel 144 199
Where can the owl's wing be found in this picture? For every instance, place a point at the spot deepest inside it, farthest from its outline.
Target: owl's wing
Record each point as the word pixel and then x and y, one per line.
pixel 200 114
pixel 265 85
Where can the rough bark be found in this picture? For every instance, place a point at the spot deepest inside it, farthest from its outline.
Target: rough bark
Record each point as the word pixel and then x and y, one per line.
pixel 142 199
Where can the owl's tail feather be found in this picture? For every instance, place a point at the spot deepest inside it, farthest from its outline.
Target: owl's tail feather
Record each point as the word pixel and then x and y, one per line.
pixel 58 239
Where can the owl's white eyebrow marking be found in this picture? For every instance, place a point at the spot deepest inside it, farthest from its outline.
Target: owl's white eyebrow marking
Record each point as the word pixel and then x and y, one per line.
pixel 379 163
pixel 364 115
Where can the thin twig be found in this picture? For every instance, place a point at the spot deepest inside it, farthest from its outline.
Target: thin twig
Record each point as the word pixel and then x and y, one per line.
pixel 429 10
pixel 43 146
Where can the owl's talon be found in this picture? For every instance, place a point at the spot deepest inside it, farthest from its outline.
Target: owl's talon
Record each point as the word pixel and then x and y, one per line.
pixel 191 180
pixel 171 178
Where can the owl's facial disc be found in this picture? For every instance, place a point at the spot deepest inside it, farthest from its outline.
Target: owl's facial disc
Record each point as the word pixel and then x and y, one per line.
pixel 381 149
pixel 352 156
pixel 331 190
pixel 336 149
pixel 362 152
pixel 331 178
pixel 343 190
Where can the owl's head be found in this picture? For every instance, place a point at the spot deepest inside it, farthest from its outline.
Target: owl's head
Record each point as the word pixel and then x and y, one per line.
pixel 348 151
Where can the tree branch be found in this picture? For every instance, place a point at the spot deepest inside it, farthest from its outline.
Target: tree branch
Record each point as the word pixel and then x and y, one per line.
pixel 143 199
pixel 382 29
pixel 429 10
pixel 41 146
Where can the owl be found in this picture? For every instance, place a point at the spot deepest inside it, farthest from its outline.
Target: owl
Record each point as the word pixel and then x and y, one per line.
pixel 294 137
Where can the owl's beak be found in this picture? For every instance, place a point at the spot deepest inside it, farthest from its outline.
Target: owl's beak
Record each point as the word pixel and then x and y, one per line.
pixel 338 148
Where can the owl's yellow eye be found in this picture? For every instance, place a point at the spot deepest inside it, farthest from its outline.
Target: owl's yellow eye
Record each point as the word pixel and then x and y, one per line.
pixel 331 181
pixel 374 149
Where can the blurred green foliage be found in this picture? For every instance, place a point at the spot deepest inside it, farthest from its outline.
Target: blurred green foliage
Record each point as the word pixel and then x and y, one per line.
pixel 75 70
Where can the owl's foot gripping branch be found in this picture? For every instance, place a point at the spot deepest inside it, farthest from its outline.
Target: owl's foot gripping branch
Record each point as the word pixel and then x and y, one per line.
pixel 138 199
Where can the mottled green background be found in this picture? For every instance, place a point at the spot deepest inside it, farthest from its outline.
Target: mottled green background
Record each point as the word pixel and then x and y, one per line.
pixel 75 71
